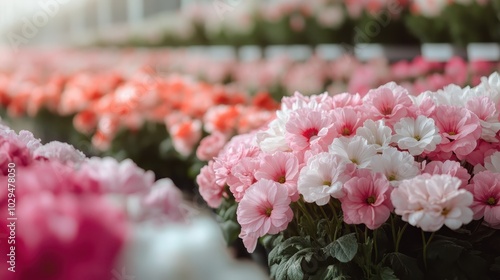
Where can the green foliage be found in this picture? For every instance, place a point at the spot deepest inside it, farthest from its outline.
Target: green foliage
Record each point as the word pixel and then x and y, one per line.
pixel 227 220
pixel 343 249
pixel 404 267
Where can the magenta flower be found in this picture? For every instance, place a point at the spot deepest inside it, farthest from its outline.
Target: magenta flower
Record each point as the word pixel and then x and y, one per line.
pixel 265 209
pixel 367 200
pixel 486 190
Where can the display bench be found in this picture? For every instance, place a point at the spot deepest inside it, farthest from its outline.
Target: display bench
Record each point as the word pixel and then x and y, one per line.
pixel 431 52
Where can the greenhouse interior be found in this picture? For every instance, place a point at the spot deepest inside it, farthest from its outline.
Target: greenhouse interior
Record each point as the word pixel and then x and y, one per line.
pixel 231 139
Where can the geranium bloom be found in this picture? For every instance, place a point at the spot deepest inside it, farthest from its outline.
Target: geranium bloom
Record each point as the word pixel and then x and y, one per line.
pixel 265 209
pixel 395 165
pixel 242 176
pixel 449 167
pixel 323 177
pixel 118 177
pixel 282 168
pixel 429 202
pixel 356 150
pixel 306 126
pixel 376 134
pixel 416 135
pixel 367 200
pixel 237 148
pixel 485 110
pixel 164 199
pixel 62 152
pixel 486 190
pixel 459 128
pixel 185 135
pixel 389 102
pixel 210 146
pixel 346 121
pixel 211 192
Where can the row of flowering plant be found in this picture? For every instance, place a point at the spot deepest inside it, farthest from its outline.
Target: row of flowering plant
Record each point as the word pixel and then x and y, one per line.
pixel 73 217
pixel 385 185
pixel 130 111
pixel 324 21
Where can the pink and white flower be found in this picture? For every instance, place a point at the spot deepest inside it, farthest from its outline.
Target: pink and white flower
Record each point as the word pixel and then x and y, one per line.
pixel 429 202
pixel 323 177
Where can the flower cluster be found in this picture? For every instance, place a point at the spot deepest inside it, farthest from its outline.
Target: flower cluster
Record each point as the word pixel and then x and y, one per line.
pixel 110 100
pixel 431 158
pixel 68 226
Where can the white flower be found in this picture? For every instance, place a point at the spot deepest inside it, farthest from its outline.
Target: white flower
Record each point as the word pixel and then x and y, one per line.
pixel 273 139
pixel 395 165
pixel 324 176
pixel 59 151
pixel 416 135
pixel 492 163
pixel 429 202
pixel 452 95
pixel 355 149
pixel 376 133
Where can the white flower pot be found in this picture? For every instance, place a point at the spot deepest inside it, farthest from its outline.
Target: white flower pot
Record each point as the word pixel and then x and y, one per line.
pixel 483 51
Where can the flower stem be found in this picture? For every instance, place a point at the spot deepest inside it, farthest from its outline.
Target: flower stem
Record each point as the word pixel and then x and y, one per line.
pixel 400 235
pixel 426 243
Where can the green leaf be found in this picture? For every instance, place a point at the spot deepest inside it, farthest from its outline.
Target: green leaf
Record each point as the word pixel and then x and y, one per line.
pixel 387 274
pixel 405 267
pixel 444 251
pixel 230 230
pixel 344 248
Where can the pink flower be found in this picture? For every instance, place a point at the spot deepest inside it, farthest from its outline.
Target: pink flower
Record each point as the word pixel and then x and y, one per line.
pixel 282 168
pixel 118 177
pixel 429 202
pixel 305 127
pixel 389 102
pixel 265 209
pixel 459 128
pixel 236 149
pixel 211 192
pixel 367 200
pixel 164 199
pixel 346 121
pixel 486 190
pixel 242 176
pixel 64 233
pixel 449 167
pixel 13 151
pixel 482 151
pixel 210 146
